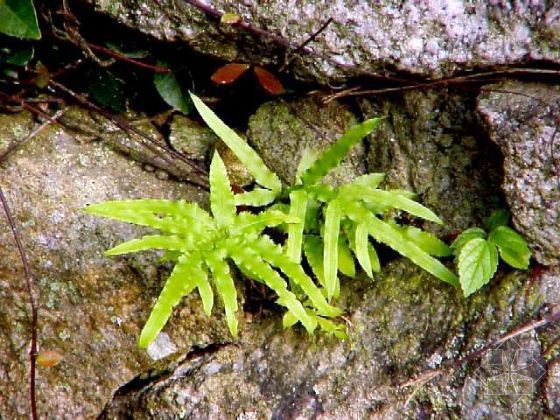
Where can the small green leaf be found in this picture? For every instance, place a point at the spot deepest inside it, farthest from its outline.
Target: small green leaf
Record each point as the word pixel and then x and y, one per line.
pixel 18 18
pixel 513 248
pixel 221 196
pixel 171 92
pixel 426 241
pixel 106 89
pixel 369 180
pixel 477 264
pixel 313 250
pixel 257 198
pixel 466 236
pixel 19 57
pixel 331 157
pixel 345 260
pixel 362 242
pixel 170 243
pixel 497 219
pixel 206 293
pixel 298 208
pixel 330 257
pixel 226 288
pixel 240 148
pixel 183 279
pixel 308 157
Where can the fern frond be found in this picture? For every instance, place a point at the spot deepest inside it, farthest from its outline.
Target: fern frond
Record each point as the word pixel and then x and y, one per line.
pixel 240 148
pixel 183 279
pixel 345 259
pixel 389 199
pixel 221 196
pixel 331 157
pixel 225 287
pixel 255 223
pixel 167 216
pixel 257 198
pixel 273 254
pixel 253 263
pixel 425 241
pixel 298 208
pixel 313 250
pixel 383 232
pixel 170 243
pixel 330 251
pixel 369 180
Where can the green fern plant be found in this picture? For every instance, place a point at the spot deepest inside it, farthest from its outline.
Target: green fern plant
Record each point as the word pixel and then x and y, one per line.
pixel 336 224
pixel 476 252
pixel 203 243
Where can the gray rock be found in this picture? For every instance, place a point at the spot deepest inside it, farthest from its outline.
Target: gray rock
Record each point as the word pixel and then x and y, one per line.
pixel 190 138
pixel 280 132
pixel 403 324
pixel 432 39
pixel 91 307
pixel 430 144
pixel 522 119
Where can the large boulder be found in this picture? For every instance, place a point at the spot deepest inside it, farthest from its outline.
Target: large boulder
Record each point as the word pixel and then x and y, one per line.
pixel 91 307
pixel 431 39
pixel 522 119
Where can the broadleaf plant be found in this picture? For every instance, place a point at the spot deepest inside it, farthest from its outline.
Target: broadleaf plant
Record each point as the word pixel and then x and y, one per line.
pixel 204 244
pixel 476 252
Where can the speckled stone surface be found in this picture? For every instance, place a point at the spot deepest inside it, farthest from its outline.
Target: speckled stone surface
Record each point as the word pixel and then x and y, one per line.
pixel 428 38
pixel 401 325
pixel 522 119
pixel 281 131
pixel 91 307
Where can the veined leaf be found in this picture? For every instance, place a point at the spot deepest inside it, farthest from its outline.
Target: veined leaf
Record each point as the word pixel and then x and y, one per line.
pixel 181 282
pixel 221 196
pixel 240 148
pixel 226 288
pixel 313 249
pixel 513 248
pixel 383 232
pixel 171 243
pixel 477 264
pixel 497 219
pixel 426 241
pixel 18 18
pixel 298 208
pixel 257 198
pixel 330 257
pixel 337 151
pixel 466 236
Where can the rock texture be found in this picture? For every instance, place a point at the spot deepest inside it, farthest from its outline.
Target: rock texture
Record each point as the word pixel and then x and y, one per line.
pixel 402 324
pixel 430 143
pixel 91 306
pixel 281 131
pixel 434 39
pixel 522 119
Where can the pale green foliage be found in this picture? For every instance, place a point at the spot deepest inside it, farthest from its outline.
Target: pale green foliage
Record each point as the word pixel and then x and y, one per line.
pixel 341 222
pixel 202 243
pixel 477 253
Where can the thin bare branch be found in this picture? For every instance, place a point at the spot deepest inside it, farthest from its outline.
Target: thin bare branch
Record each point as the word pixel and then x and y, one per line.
pixel 32 304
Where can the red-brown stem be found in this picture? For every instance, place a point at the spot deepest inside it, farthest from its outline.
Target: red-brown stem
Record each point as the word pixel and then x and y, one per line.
pixel 124 58
pixel 32 304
